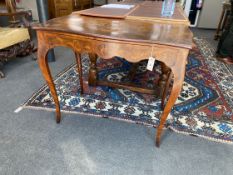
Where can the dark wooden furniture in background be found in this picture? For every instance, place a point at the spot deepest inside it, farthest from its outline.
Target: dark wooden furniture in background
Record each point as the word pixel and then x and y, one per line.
pixel 100 2
pixel 226 8
pixel 16 19
pixel 82 4
pixel 2 3
pixel 134 40
pixel 59 8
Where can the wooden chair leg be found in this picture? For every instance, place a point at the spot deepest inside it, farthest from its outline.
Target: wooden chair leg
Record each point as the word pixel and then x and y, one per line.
pixel 34 57
pixel 2 75
pixel 32 51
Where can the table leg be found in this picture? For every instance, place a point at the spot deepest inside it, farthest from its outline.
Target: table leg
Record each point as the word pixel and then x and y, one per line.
pixel 163 82
pixel 44 67
pixel 179 74
pixel 92 79
pixel 166 88
pixel 79 69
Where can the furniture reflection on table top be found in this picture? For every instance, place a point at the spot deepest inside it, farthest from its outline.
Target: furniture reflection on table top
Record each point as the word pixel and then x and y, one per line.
pixel 132 39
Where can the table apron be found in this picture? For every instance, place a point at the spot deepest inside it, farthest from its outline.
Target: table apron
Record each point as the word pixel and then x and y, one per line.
pixel 108 48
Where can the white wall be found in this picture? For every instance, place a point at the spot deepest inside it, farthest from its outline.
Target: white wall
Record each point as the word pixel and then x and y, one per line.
pixel 29 5
pixel 210 14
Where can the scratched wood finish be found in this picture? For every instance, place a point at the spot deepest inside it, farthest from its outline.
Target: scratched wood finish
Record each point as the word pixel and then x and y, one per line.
pixel 130 39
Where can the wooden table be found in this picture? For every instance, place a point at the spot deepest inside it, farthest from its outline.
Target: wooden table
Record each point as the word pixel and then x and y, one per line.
pixel 132 39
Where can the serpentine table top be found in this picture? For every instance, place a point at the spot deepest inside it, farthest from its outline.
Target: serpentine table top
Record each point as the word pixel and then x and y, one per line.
pixel 134 39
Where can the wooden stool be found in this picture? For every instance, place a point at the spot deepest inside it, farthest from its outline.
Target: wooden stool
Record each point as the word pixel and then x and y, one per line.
pixel 163 84
pixel 161 90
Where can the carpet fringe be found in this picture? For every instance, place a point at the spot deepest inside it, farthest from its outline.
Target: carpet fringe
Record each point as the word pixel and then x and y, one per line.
pixel 129 121
pixel 87 114
pixel 20 108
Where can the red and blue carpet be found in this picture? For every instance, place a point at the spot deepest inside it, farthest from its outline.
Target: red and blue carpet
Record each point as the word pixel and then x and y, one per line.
pixel 204 108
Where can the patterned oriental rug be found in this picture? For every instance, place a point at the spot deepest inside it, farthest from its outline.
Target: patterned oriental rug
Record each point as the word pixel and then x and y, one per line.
pixel 204 108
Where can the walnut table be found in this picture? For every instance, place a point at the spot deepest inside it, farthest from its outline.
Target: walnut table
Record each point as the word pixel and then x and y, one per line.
pixel 132 39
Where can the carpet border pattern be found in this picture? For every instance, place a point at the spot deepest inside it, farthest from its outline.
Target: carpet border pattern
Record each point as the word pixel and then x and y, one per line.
pixel 224 129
